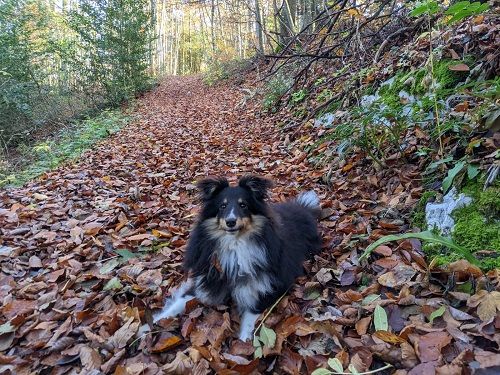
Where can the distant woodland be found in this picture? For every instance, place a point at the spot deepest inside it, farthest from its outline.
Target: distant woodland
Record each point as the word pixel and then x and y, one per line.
pixel 60 58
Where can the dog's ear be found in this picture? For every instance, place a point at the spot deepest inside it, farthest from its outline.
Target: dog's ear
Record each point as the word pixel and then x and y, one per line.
pixel 210 187
pixel 257 185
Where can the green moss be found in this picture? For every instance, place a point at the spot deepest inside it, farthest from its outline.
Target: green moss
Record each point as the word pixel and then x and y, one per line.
pixel 447 79
pixel 418 214
pixel 474 232
pixel 477 226
pixel 489 203
pixel 442 260
pixel 389 93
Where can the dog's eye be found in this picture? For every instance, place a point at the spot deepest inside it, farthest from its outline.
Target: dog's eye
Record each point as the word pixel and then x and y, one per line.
pixel 243 205
pixel 223 206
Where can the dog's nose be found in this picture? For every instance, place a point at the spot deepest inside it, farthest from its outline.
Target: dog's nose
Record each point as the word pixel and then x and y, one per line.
pixel 231 223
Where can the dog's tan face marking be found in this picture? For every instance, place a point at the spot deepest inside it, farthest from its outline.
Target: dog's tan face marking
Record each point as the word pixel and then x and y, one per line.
pixel 217 227
pixel 242 223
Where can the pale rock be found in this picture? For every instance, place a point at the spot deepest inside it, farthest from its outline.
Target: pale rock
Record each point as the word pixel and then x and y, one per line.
pixel 438 214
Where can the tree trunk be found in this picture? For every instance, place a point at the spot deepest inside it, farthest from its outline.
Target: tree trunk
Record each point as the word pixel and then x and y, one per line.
pixel 258 28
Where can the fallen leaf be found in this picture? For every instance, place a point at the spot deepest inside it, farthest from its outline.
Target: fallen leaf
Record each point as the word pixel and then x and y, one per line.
pixel 35 262
pixel 166 343
pixel 459 68
pixel 389 337
pixel 121 337
pixel 90 358
pixel 430 345
pixel 380 319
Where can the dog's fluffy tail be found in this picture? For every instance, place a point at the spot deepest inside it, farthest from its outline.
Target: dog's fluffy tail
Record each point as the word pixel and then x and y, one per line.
pixel 309 199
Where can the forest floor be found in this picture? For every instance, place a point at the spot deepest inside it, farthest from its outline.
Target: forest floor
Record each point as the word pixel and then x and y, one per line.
pixel 90 249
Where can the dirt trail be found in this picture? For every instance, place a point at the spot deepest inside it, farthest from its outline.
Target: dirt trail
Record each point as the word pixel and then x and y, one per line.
pixel 133 191
pixel 89 250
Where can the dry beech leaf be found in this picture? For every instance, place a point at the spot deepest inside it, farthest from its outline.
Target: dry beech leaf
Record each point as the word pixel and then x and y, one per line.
pixel 166 343
pixel 90 358
pixel 389 337
pixel 181 365
pixel 35 262
pixel 362 325
pixel 383 250
pixel 459 68
pixel 488 304
pixel 121 337
pixel 430 345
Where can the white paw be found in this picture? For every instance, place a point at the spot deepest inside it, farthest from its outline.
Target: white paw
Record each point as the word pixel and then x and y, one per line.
pixel 173 307
pixel 246 334
pixel 247 324
pixel 162 314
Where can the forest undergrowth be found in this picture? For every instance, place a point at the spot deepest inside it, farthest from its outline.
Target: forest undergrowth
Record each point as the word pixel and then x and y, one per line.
pixel 91 248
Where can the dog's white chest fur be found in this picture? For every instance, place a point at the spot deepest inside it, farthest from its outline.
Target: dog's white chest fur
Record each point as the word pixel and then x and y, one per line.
pixel 239 256
pixel 241 259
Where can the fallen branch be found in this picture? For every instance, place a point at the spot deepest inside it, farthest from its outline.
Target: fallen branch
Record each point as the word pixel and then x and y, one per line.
pixel 387 40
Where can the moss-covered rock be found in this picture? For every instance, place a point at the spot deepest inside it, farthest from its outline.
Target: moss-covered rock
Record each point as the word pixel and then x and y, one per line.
pixel 477 226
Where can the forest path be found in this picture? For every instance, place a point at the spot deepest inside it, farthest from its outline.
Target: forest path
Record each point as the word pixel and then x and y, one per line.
pixel 66 284
pixel 90 249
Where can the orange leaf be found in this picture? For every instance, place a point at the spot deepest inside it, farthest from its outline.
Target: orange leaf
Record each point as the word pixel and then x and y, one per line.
pixel 347 167
pixel 389 337
pixel 166 343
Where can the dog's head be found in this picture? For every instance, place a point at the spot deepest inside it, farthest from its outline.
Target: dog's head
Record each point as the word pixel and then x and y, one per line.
pixel 234 209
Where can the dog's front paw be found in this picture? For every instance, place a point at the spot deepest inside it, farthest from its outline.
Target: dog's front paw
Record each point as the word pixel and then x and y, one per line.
pixel 247 324
pixel 173 307
pixel 245 335
pixel 168 311
pixel 159 316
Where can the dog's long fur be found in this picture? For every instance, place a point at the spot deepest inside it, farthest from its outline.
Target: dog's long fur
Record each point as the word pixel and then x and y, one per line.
pixel 244 249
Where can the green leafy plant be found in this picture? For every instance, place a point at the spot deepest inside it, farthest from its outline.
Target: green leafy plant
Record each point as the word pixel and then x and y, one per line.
pixel 298 96
pixel 437 313
pixel 452 173
pixel 380 319
pixel 464 9
pixel 427 236
pixel 337 369
pixel 461 168
pixel 274 90
pixel 67 145
pixel 265 338
pixel 324 95
pixel 427 7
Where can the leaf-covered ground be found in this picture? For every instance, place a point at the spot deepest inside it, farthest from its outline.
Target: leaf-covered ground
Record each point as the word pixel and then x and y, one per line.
pixel 90 249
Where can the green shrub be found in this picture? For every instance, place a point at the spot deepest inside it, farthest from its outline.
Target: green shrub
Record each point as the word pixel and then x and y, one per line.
pixel 274 90
pixel 298 96
pixel 55 66
pixel 68 144
pixel 113 39
pixel 31 46
pixel 218 70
